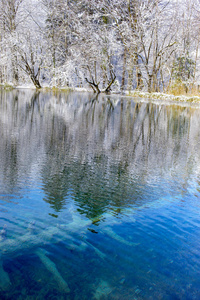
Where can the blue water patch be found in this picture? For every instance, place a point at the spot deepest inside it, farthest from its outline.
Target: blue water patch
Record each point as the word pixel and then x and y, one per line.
pixel 98 201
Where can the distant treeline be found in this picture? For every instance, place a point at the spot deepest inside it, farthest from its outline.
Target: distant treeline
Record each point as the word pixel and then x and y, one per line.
pixel 121 45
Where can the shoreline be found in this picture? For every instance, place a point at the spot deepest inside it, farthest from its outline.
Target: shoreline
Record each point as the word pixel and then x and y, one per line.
pixel 139 94
pixel 167 97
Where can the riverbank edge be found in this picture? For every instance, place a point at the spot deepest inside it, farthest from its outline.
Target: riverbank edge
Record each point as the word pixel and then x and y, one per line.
pixel 163 96
pixel 136 93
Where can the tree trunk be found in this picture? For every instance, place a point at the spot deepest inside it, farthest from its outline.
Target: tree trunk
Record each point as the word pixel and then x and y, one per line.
pixel 149 83
pixel 124 71
pixel 130 73
pixel 36 82
pixel 15 70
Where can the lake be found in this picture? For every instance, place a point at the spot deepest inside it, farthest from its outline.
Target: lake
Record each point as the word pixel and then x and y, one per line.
pixel 99 197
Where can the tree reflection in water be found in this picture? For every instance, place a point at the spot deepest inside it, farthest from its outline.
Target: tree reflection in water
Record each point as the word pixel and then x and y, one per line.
pixel 101 152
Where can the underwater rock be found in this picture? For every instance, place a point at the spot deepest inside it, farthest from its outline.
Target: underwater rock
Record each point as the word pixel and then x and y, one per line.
pixel 31 227
pixel 51 267
pixel 4 278
pixel 103 290
pixel 122 280
pixel 3 233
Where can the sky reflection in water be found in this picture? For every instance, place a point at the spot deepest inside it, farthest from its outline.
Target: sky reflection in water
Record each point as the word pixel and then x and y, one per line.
pixel 100 198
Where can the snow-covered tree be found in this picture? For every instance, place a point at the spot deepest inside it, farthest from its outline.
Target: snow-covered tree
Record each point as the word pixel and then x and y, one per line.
pixel 10 18
pixel 142 44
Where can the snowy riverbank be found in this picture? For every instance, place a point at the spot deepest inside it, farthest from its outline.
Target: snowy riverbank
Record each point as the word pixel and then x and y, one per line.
pixel 162 96
pixel 140 94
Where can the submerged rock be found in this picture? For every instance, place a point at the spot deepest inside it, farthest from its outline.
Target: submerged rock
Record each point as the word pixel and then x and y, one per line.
pixel 31 227
pixel 103 290
pixel 3 233
pixel 4 278
pixel 122 280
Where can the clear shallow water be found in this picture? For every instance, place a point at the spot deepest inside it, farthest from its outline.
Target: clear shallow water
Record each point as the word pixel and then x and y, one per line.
pixel 99 198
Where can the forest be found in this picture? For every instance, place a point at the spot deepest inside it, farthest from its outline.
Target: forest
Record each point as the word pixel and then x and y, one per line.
pixel 103 45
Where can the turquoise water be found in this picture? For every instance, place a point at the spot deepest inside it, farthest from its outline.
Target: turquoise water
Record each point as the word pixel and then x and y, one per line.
pixel 99 198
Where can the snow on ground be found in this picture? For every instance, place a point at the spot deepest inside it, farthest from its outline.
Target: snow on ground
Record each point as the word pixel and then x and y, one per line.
pixel 140 94
pixel 162 96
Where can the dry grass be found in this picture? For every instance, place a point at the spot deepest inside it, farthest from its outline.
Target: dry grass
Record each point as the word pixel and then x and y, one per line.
pixel 181 89
pixel 167 97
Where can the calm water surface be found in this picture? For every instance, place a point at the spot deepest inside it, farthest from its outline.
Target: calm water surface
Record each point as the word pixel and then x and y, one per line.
pixel 99 198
